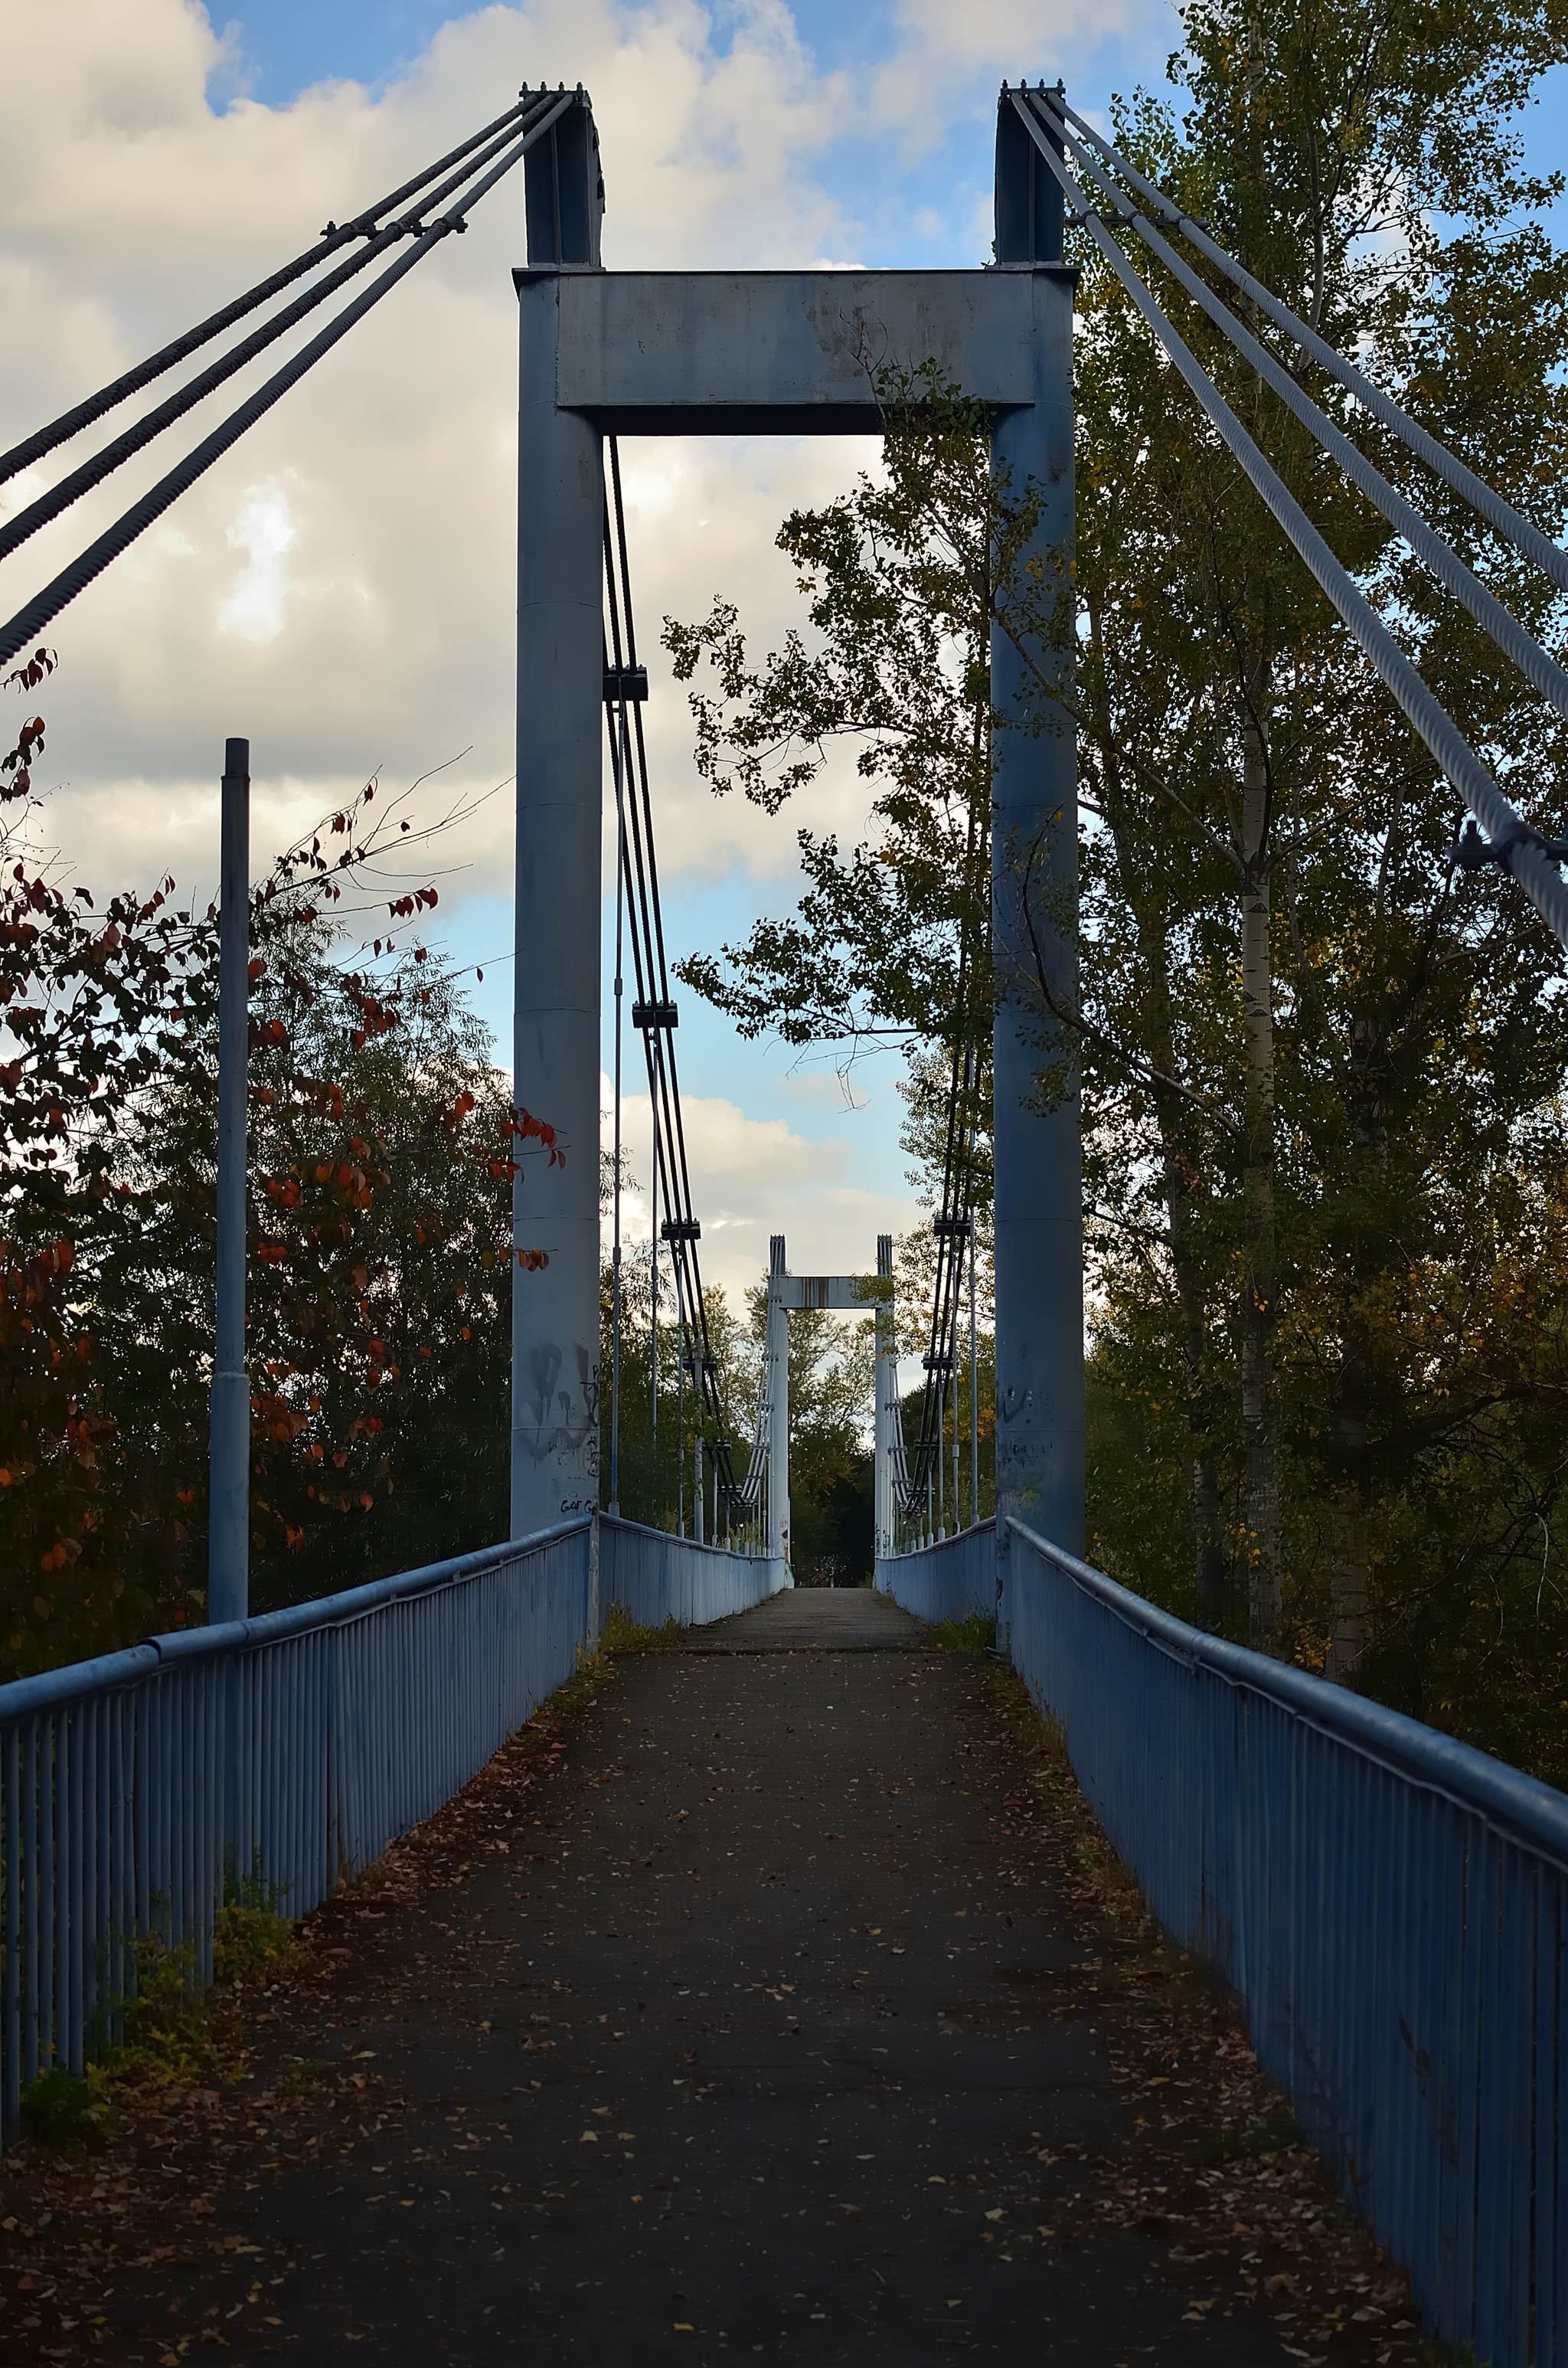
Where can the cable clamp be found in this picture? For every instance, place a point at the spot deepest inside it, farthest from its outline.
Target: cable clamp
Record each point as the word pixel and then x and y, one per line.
pixel 654 1015
pixel 625 682
pixel 1471 853
pixel 951 1228
pixel 681 1229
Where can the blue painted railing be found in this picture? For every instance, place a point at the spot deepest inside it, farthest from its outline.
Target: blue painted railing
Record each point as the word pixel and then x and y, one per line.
pixel 655 1578
pixel 297 1745
pixel 1389 1906
pixel 949 1581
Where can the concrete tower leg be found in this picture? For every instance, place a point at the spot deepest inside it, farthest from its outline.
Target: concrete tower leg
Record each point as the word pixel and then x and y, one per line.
pixel 1039 1210
pixel 555 1307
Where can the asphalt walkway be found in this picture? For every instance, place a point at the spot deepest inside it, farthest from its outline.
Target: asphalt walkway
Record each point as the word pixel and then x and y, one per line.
pixel 754 2035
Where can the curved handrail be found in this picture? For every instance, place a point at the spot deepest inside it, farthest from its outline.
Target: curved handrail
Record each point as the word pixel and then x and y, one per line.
pixel 77 1681
pixel 1517 1805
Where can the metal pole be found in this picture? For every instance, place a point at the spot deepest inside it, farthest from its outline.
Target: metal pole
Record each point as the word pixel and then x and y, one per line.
pixel 886 1407
pixel 1038 1216
pixel 680 1412
pixel 615 1254
pixel 777 1351
pixel 696 1503
pixel 973 1389
pixel 942 1445
pixel 228 1533
pixel 555 1307
pixel 654 1331
pixel 958 1516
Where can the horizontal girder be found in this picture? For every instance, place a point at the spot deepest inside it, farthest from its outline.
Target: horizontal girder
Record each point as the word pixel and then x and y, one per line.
pixel 685 353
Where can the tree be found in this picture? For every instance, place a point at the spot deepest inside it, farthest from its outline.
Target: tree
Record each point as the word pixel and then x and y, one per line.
pixel 382 1153
pixel 1308 137
pixel 892 939
pixel 90 1004
pixel 379 1253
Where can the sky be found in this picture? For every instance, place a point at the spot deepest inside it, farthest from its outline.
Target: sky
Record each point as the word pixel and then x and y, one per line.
pixel 340 587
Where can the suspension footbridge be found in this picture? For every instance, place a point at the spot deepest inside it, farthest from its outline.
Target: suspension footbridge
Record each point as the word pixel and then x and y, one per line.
pixel 1388 1907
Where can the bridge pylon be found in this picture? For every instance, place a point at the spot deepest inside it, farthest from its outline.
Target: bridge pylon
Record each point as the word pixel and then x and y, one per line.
pixel 642 353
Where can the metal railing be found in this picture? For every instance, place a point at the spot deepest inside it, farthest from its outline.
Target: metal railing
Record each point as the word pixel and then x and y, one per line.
pixel 654 1577
pixel 292 1747
pixel 1389 1906
pixel 951 1581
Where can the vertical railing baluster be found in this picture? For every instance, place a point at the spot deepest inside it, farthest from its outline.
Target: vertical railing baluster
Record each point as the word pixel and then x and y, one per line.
pixel 84 1842
pixel 10 2096
pixel 35 1846
pixel 122 1907
pixel 60 1994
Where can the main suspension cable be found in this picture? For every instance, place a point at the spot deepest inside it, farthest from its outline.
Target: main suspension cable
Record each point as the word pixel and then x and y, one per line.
pixel 335 235
pixel 30 622
pixel 134 439
pixel 1499 515
pixel 1530 859
pixel 653 1011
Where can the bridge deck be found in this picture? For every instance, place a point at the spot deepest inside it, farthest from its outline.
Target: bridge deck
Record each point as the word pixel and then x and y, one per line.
pixel 769 2031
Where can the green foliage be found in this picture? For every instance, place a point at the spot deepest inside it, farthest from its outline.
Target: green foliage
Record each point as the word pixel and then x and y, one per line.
pixel 900 578
pixel 167 2036
pixel 619 1632
pixel 379 1257
pixel 67 2113
pixel 382 1152
pixel 252 1940
pixel 973 1635
pixel 91 1005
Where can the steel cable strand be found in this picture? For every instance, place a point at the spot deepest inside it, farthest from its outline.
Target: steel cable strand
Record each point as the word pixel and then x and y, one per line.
pixel 922 1450
pixel 1535 664
pixel 946 1295
pixel 957 1192
pixel 71 422
pixel 1519 848
pixel 28 622
pixel 931 1412
pixel 671 1160
pixel 134 439
pixel 620 903
pixel 637 907
pixel 1499 515
pixel 619 761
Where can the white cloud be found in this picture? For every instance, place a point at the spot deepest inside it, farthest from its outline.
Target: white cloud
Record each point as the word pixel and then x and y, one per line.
pixel 373 623
pixel 754 1177
pixel 254 609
